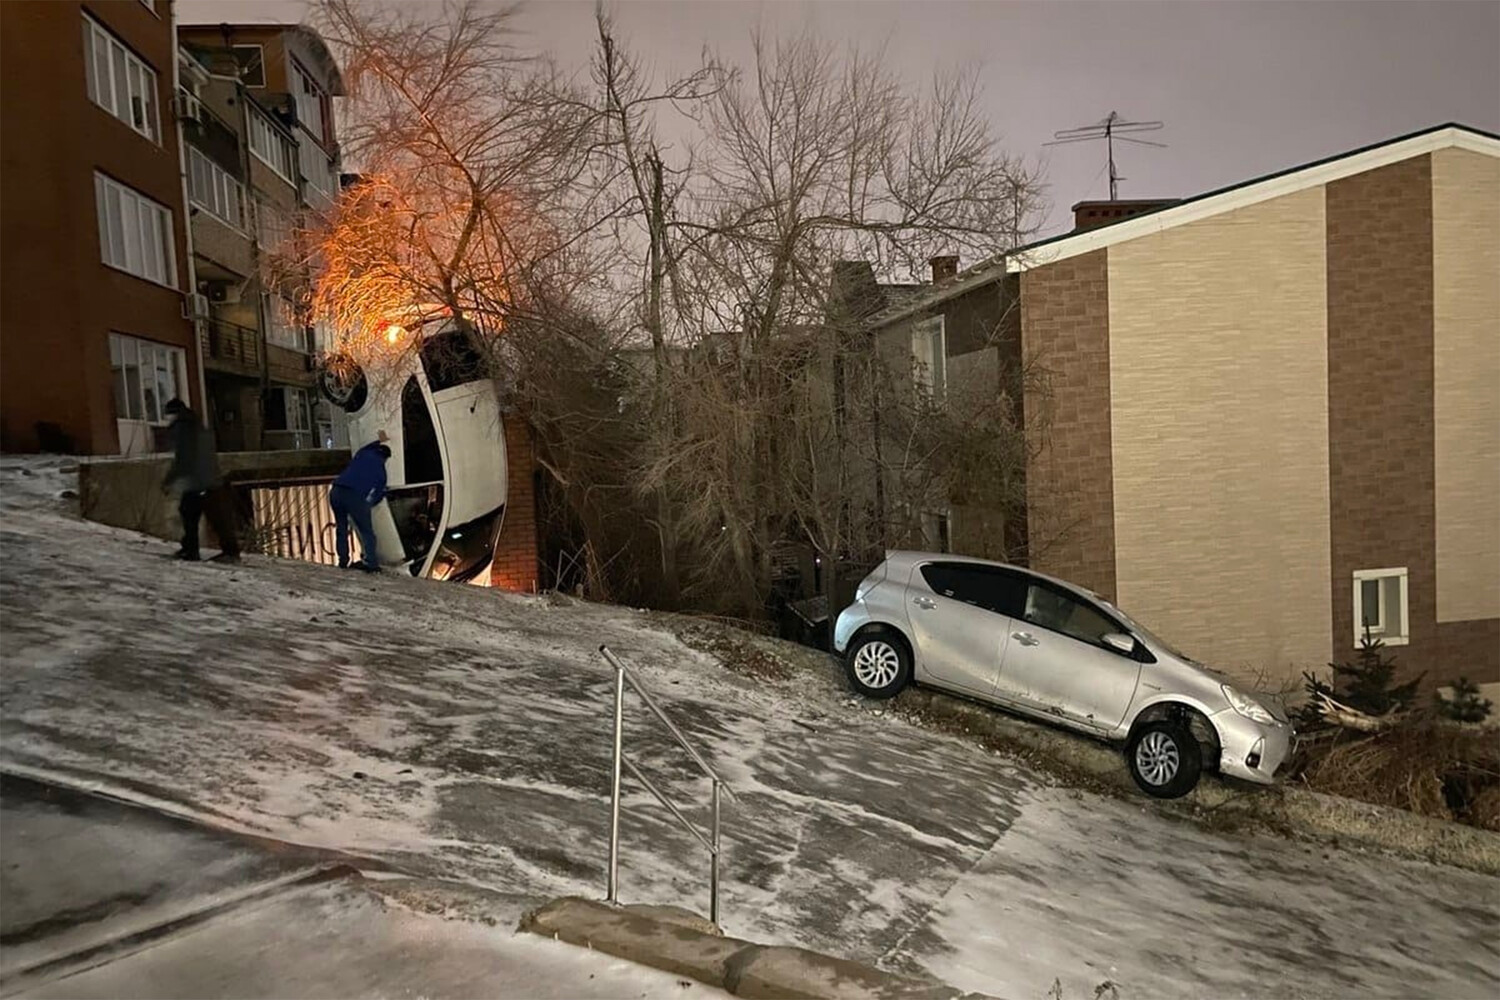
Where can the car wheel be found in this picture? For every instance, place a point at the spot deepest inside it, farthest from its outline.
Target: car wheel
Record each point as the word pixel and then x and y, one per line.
pixel 1164 759
pixel 878 665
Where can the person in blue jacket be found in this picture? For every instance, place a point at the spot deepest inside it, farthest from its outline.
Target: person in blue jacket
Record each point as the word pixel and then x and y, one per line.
pixel 353 496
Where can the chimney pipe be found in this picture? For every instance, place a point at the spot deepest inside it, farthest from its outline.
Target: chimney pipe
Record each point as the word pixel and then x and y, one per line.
pixel 943 268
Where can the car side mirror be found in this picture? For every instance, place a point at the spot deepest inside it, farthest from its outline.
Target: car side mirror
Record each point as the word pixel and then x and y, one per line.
pixel 1120 642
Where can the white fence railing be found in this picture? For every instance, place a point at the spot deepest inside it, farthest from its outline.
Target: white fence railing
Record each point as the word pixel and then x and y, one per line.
pixel 293 520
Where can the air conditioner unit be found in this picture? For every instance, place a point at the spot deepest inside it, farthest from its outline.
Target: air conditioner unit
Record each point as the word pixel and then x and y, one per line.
pixel 196 306
pixel 187 107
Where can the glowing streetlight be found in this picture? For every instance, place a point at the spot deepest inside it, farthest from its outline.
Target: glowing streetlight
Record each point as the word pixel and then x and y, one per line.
pixel 393 333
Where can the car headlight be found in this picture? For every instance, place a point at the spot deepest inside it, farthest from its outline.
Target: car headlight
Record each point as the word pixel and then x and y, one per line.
pixel 1247 706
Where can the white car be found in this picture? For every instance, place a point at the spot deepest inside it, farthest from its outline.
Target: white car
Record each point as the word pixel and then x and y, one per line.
pixel 446 476
pixel 1048 649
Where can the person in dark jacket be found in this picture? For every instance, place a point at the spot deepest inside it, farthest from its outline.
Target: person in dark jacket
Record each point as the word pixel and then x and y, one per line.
pixel 195 472
pixel 353 497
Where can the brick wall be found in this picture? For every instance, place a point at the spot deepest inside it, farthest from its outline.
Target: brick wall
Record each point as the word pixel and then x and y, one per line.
pixel 1381 398
pixel 1380 393
pixel 515 565
pixel 1070 485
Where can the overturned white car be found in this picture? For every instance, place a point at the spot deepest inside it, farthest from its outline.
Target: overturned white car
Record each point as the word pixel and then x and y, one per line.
pixel 441 409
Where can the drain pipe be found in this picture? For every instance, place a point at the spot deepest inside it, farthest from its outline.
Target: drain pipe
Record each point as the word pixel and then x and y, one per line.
pixel 187 224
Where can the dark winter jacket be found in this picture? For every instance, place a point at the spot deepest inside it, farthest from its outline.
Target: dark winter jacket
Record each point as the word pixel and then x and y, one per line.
pixel 194 466
pixel 365 474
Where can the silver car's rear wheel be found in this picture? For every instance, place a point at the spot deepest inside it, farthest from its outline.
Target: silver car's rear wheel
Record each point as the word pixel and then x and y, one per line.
pixel 1164 758
pixel 878 665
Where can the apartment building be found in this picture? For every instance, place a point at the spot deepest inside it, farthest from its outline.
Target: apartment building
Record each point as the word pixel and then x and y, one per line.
pixel 263 161
pixel 95 334
pixel 154 180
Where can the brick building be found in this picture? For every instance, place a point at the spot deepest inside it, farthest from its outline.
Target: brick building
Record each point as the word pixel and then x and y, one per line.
pixel 1273 411
pixel 263 158
pixel 94 328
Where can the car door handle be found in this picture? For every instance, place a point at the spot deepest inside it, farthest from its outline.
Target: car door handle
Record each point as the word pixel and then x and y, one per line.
pixel 924 602
pixel 1025 638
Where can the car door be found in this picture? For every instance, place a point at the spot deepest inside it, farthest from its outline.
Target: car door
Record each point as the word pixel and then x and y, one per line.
pixel 1057 662
pixel 959 635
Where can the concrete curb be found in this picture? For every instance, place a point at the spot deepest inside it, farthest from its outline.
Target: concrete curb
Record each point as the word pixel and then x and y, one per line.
pixel 685 944
pixel 1283 809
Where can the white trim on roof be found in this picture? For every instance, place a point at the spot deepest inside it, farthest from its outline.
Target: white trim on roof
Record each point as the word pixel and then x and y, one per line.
pixel 1252 194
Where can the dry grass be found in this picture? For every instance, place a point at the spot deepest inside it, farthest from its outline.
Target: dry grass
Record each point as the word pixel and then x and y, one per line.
pixel 1428 767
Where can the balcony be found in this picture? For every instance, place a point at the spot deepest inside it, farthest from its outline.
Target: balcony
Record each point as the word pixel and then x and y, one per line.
pixel 233 348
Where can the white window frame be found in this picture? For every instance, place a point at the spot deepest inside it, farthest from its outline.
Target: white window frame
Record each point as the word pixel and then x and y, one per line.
pixel 136 233
pixel 215 190
pixel 267 213
pixel 1392 626
pixel 297 405
pixel 268 144
pixel 151 6
pixel 306 91
pixel 281 323
pixel 148 407
pixel 929 347
pixel 121 67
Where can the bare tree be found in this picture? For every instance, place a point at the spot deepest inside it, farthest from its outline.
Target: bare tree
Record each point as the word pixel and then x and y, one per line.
pixel 813 157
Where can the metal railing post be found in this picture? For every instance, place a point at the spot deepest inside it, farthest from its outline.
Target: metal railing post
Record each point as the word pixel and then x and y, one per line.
pixel 713 872
pixel 614 798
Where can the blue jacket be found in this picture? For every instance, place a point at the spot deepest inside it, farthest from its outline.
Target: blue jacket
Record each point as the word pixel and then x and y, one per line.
pixel 365 474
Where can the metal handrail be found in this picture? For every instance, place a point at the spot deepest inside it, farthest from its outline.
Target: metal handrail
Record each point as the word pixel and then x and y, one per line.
pixel 711 841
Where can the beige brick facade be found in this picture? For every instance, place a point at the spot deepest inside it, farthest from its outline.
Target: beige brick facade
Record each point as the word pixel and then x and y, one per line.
pixel 1466 375
pixel 1218 395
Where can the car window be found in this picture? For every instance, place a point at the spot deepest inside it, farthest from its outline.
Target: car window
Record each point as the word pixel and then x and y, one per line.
pixel 1054 609
pixel 982 586
pixel 451 358
pixel 420 456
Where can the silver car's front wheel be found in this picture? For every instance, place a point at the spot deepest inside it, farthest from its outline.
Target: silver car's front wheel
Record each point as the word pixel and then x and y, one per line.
pixel 878 665
pixel 1164 758
pixel 1157 759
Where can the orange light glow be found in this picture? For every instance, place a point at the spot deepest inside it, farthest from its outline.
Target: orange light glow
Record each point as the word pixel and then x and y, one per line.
pixel 393 333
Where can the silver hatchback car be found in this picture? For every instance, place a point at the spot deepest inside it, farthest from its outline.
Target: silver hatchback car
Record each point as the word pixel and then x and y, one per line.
pixel 1048 649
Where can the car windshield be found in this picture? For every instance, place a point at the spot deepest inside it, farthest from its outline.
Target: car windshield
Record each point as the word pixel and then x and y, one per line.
pixel 467 548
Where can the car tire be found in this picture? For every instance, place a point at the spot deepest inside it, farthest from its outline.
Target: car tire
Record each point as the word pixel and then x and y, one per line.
pixel 1164 758
pixel 878 665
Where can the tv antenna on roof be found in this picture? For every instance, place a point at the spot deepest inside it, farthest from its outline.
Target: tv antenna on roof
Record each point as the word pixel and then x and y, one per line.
pixel 1111 128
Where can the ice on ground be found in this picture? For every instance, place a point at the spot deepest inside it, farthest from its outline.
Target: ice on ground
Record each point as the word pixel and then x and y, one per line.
pixel 341 941
pixel 460 734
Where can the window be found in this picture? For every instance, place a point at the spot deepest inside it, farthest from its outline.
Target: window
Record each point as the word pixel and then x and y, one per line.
pixel 1380 605
pixel 935 531
pixel 272 228
pixel 317 169
pixel 118 81
pixel 146 375
pixel 987 587
pixel 929 348
pixel 272 147
pixel 1054 609
pixel 287 409
pixel 214 190
pixel 309 97
pixel 452 358
pixel 252 63
pixel 282 327
pixel 135 233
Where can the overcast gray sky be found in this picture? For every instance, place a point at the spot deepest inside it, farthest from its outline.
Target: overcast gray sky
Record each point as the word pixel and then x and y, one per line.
pixel 1245 88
